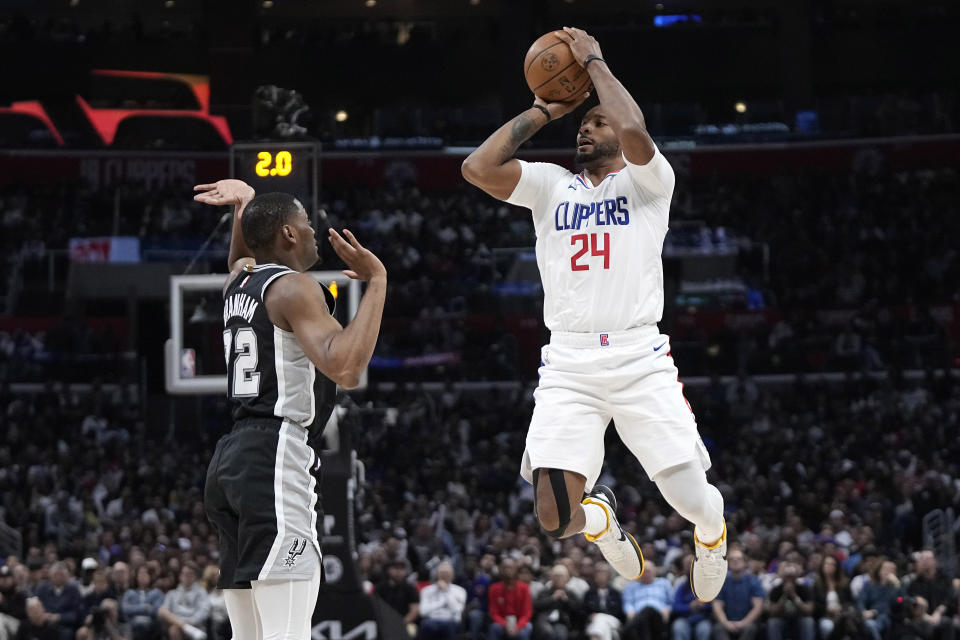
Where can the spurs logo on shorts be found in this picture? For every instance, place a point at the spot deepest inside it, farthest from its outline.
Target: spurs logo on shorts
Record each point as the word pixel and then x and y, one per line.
pixel 299 544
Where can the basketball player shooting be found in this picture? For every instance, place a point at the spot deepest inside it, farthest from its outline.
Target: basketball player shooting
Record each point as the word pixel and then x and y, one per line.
pixel 285 355
pixel 599 238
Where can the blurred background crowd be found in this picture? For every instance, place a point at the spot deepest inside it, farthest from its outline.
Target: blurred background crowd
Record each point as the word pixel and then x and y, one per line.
pixel 853 269
pixel 812 296
pixel 829 489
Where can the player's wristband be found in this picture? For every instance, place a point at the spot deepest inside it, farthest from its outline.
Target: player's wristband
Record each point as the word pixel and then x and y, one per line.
pixel 590 58
pixel 544 109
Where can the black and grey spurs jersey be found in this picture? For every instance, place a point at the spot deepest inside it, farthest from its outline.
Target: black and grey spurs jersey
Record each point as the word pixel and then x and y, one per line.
pixel 268 374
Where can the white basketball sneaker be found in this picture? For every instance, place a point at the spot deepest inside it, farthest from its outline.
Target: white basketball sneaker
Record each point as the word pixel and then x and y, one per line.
pixel 709 569
pixel 618 547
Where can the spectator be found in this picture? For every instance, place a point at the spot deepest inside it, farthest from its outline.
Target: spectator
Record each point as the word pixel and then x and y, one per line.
pixel 791 606
pixel 441 606
pixel 219 624
pixel 556 609
pixel 586 569
pixel 831 595
pixel 577 584
pixel 87 567
pixel 647 603
pixel 103 623
pixel 870 559
pixel 938 595
pixel 425 549
pixel 141 604
pixel 477 584
pixel 511 609
pixel 100 590
pixel 61 600
pixel 397 592
pixel 907 619
pixel 603 605
pixel 13 604
pixel 39 625
pixel 740 603
pixel 186 609
pixel 691 617
pixel 120 578
pixel 877 595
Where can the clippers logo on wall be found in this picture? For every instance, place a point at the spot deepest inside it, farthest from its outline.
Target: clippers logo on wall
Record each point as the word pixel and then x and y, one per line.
pixel 150 172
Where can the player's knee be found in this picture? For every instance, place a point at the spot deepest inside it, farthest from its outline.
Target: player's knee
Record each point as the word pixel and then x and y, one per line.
pixel 547 514
pixel 685 489
pixel 552 506
pixel 686 504
pixel 552 522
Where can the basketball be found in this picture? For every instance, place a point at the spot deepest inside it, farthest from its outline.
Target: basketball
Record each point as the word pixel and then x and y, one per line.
pixel 551 71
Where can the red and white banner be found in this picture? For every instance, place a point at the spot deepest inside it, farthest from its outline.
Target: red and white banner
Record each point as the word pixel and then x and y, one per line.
pixel 105 249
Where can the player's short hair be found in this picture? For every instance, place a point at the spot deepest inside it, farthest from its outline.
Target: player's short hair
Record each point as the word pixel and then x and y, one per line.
pixel 264 216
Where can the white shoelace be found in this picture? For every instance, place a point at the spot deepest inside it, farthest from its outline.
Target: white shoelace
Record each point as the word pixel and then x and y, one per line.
pixel 713 563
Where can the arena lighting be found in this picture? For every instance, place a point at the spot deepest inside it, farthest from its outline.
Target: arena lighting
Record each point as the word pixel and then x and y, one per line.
pixel 267 4
pixel 169 4
pixel 370 3
pixel 34 109
pixel 106 121
pixel 403 33
pixel 740 106
pixel 678 18
pixel 474 2
pixel 341 116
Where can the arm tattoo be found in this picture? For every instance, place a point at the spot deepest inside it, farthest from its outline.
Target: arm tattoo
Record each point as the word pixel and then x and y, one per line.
pixel 521 130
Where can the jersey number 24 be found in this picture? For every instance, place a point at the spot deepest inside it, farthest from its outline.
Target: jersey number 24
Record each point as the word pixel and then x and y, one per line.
pixel 584 239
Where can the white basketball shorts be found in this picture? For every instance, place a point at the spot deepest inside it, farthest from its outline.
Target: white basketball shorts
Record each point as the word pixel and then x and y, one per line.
pixel 587 379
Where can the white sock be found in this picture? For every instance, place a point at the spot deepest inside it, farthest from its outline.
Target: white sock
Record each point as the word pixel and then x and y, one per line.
pixel 712 529
pixel 596 519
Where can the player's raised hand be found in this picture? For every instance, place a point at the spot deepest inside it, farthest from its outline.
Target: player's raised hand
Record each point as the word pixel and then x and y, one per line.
pixel 363 264
pixel 560 109
pixel 224 192
pixel 581 43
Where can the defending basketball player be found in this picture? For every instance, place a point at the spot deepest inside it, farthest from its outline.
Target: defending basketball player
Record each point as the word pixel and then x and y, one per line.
pixel 285 355
pixel 599 238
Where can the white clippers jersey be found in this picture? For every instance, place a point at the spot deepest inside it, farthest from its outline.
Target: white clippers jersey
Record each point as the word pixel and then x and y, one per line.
pixel 598 247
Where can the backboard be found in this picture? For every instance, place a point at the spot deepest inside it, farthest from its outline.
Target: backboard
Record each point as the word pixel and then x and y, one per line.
pixel 193 355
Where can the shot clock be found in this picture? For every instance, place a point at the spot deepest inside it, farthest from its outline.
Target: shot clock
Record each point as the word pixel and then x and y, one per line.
pixel 291 167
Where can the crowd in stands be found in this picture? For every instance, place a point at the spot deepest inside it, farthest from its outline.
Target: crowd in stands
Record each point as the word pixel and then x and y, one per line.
pixel 862 268
pixel 826 486
pixel 71 350
pixel 822 482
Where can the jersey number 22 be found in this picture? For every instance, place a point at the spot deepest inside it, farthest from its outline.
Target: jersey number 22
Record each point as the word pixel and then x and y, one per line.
pixel 246 378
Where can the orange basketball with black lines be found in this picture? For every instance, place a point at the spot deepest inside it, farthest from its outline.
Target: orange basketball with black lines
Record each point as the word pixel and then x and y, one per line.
pixel 551 71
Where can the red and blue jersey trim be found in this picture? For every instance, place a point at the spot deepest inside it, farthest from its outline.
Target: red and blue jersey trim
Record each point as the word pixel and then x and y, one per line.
pixel 581 180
